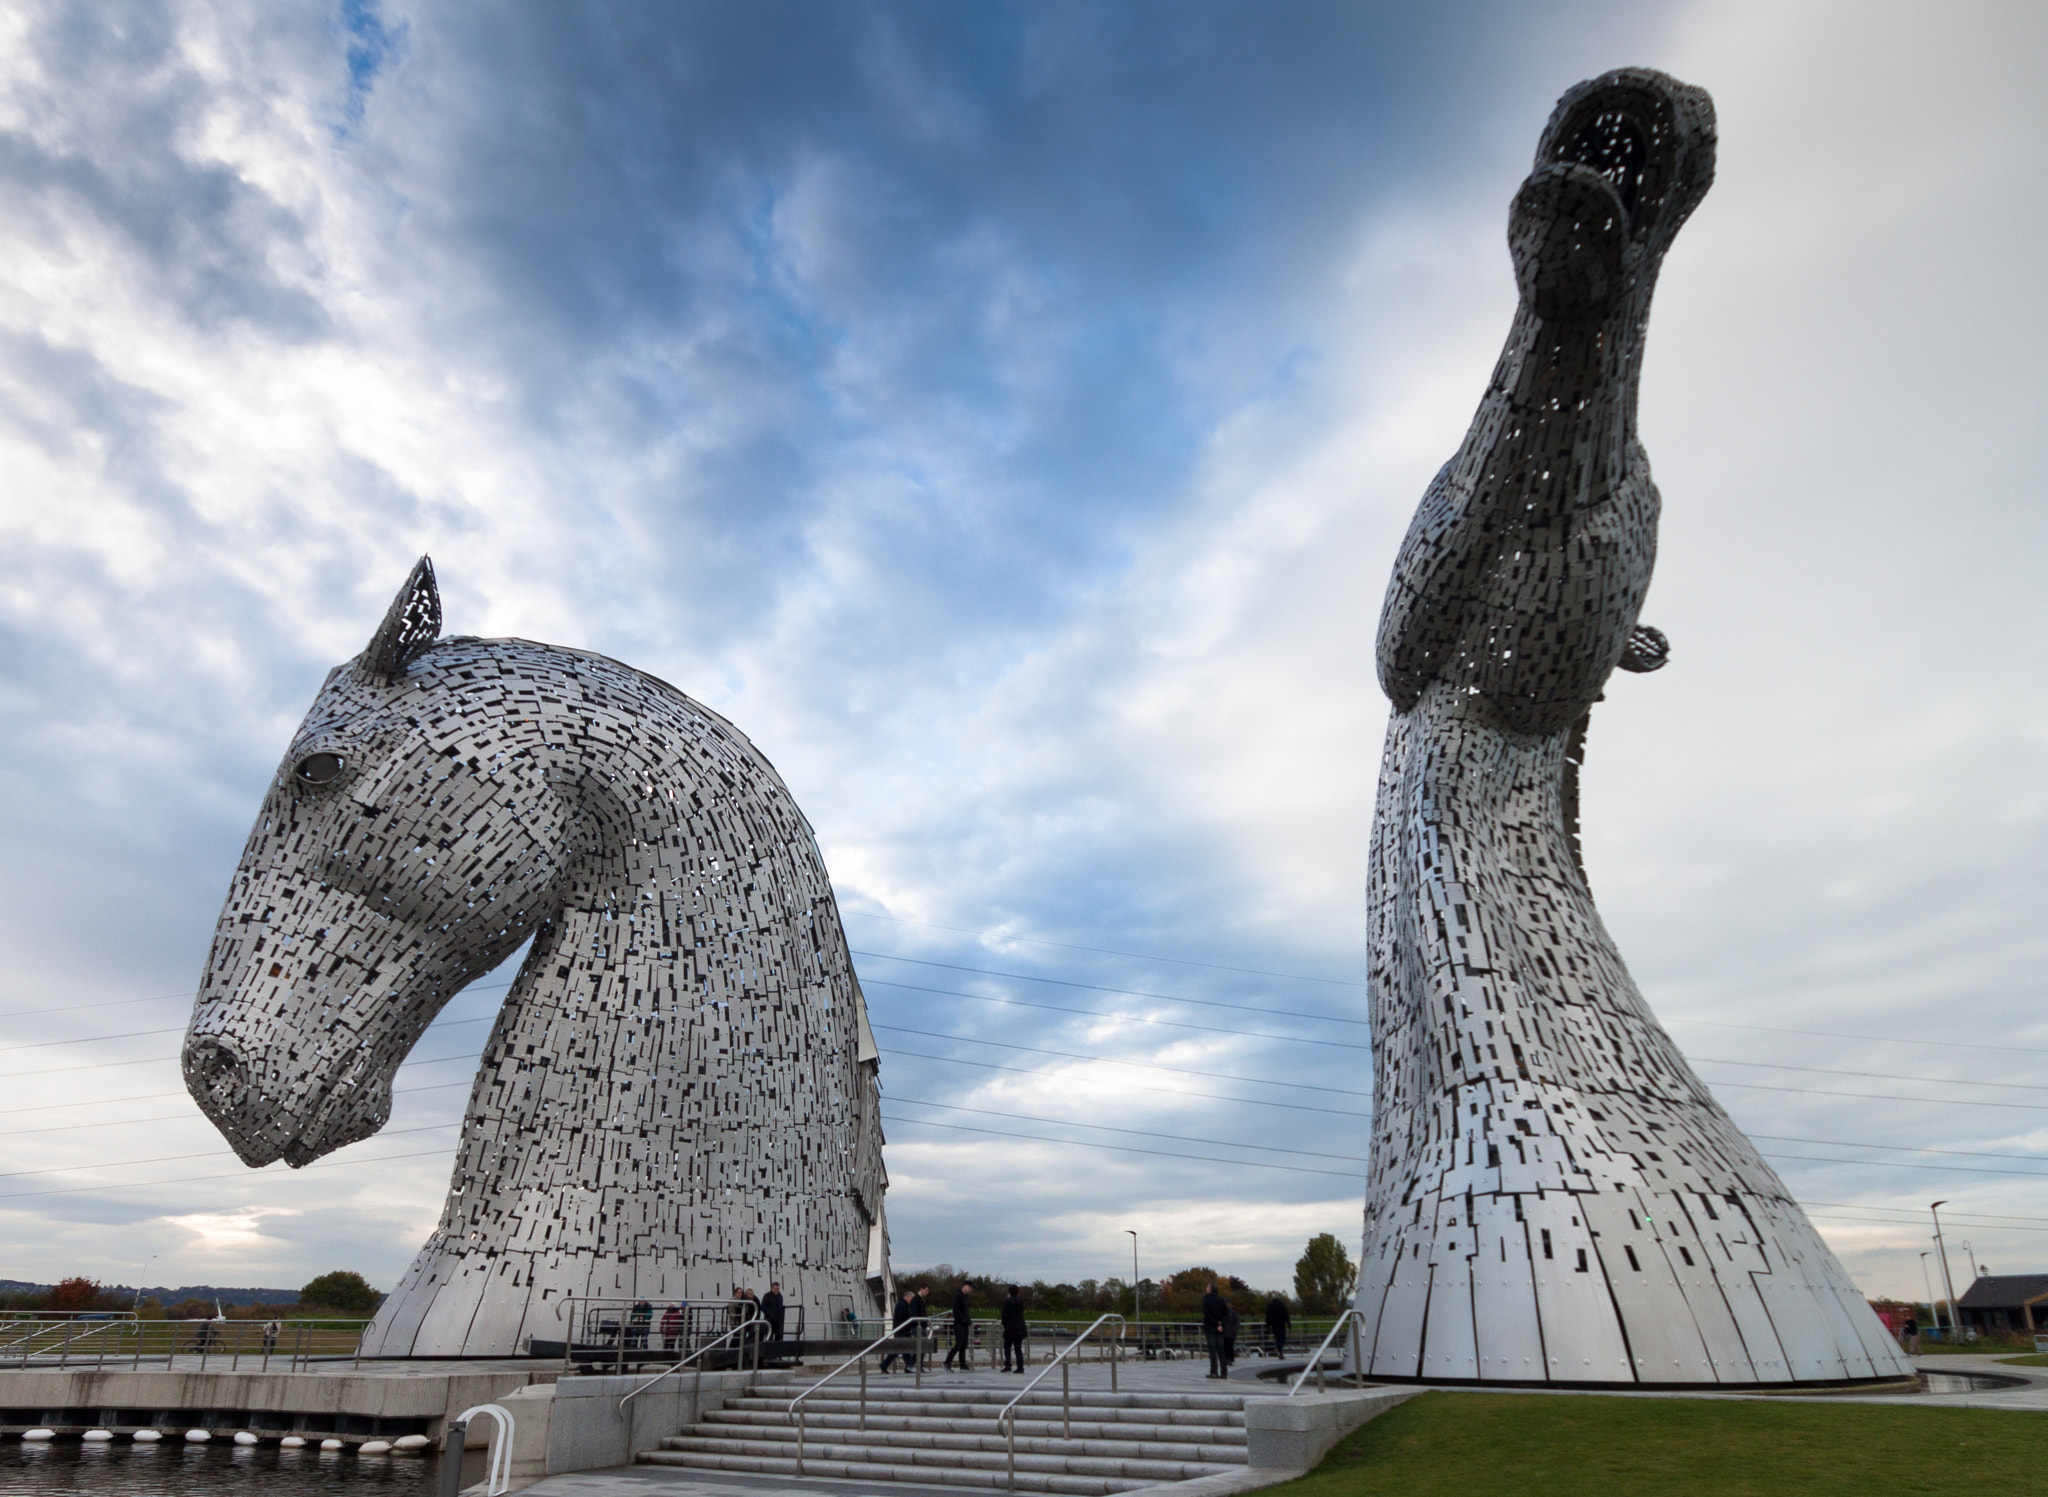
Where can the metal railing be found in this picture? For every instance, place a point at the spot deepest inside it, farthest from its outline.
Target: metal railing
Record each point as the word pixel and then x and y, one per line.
pixel 1315 1363
pixel 917 1356
pixel 632 1331
pixel 686 1361
pixel 103 1339
pixel 1064 1361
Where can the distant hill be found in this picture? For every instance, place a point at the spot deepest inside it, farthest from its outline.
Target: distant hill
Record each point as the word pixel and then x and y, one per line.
pixel 227 1297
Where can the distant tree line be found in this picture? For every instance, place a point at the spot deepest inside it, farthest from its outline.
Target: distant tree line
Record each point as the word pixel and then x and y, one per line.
pixel 339 1295
pixel 1324 1279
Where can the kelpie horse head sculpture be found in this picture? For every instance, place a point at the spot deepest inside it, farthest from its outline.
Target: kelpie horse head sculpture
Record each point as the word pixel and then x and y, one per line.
pixel 679 1094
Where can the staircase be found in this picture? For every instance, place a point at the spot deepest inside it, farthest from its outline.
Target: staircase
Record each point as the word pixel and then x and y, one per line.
pixel 949 1437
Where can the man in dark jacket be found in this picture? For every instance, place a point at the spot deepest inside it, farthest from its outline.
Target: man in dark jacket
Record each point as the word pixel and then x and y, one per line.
pixel 899 1315
pixel 771 1311
pixel 1213 1307
pixel 1278 1319
pixel 963 1327
pixel 1013 1330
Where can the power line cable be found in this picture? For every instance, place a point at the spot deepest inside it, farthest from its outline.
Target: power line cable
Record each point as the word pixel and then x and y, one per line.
pixel 194 1115
pixel 1145 1065
pixel 1095 1013
pixel 1877 1039
pixel 1248 1008
pixel 1814 1091
pixel 1223 1143
pixel 1136 956
pixel 325 1164
pixel 1838 1143
pixel 1773 1065
pixel 1866 1221
pixel 989 1065
pixel 1920 1211
pixel 1903 1164
pixel 62 1169
pixel 1077 1143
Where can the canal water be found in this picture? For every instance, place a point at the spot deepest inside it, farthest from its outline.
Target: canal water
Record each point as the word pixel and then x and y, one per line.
pixel 176 1469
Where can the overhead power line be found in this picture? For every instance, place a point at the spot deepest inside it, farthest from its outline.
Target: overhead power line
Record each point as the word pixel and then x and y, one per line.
pixel 1144 1065
pixel 325 1164
pixel 992 935
pixel 1837 1143
pixel 1875 1039
pixel 1903 1164
pixel 1076 1143
pixel 115 1164
pixel 193 1115
pixel 1223 1143
pixel 1814 1091
pixel 1248 1008
pixel 1773 1065
pixel 1164 1091
pixel 1096 1013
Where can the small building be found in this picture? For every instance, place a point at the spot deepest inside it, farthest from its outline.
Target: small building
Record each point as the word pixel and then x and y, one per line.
pixel 1896 1314
pixel 2006 1302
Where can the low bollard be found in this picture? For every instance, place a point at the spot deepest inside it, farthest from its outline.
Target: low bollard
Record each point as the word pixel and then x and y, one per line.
pixel 451 1457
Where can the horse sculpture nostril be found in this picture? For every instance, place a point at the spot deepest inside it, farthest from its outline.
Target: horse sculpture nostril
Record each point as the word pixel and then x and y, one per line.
pixel 215 1074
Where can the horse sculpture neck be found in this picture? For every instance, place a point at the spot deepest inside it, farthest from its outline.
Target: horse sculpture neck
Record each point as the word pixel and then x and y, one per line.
pixel 678 1095
pixel 1554 1197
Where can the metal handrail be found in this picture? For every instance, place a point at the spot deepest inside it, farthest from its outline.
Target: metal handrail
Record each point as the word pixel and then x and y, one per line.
pixel 1315 1362
pixel 861 1356
pixel 739 1329
pixel 1060 1360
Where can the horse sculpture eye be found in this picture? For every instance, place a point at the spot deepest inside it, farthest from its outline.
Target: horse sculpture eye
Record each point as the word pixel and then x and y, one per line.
pixel 318 769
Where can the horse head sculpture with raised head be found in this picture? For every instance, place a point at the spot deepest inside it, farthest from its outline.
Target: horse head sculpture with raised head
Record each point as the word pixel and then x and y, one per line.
pixel 679 1094
pixel 1554 1196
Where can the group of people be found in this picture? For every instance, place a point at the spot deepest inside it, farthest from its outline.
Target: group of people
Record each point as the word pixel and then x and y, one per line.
pixel 913 1309
pixel 1220 1325
pixel 744 1308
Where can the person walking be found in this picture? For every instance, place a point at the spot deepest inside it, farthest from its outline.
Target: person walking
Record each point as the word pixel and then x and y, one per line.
pixel 270 1330
pixel 1231 1326
pixel 637 1325
pixel 1013 1330
pixel 899 1315
pixel 963 1327
pixel 1278 1320
pixel 671 1327
pixel 1213 1306
pixel 920 1308
pixel 772 1311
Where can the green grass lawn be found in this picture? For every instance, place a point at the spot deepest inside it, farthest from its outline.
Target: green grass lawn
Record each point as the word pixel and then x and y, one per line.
pixel 2032 1359
pixel 1537 1445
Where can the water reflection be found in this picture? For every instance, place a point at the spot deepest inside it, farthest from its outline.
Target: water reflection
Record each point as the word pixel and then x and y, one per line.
pixel 175 1469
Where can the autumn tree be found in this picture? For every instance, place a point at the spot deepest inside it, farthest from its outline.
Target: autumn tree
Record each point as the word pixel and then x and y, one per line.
pixel 1324 1277
pixel 75 1294
pixel 341 1290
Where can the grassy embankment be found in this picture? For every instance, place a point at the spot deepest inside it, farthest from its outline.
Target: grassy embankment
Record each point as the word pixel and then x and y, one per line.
pixel 1543 1445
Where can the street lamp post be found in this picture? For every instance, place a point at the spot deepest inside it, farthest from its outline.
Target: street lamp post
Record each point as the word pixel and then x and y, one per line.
pixel 1137 1312
pixel 1941 1251
pixel 1976 1272
pixel 1933 1304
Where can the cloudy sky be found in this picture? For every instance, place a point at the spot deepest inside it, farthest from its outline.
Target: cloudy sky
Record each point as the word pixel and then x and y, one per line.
pixel 1007 414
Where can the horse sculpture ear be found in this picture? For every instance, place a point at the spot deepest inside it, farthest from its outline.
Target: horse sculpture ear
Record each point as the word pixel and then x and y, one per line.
pixel 412 624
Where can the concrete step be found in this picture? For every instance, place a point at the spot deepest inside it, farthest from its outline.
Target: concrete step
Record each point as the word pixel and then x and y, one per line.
pixel 1120 1468
pixel 1046 1440
pixel 872 1471
pixel 900 1389
pixel 980 1406
pixel 1041 1426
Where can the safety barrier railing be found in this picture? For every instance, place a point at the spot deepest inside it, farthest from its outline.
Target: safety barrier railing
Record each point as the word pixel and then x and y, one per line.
pixel 118 1339
pixel 921 1349
pixel 1315 1363
pixel 1064 1360
pixel 628 1332
pixel 497 1455
pixel 737 1330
